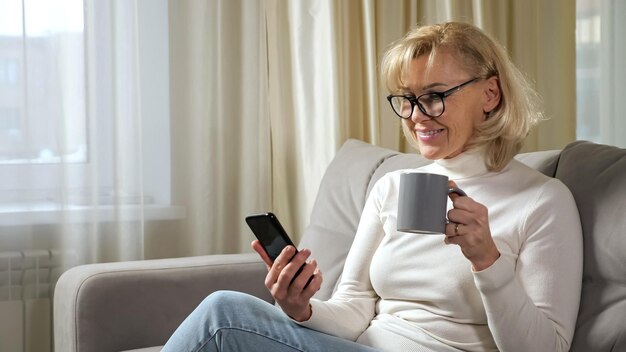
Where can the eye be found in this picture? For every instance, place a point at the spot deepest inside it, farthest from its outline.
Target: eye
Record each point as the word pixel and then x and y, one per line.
pixel 429 99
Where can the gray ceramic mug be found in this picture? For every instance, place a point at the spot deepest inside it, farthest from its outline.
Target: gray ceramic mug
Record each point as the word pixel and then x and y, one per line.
pixel 422 202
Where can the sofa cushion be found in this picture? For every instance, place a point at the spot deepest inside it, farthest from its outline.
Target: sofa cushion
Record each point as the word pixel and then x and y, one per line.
pixel 596 176
pixel 147 349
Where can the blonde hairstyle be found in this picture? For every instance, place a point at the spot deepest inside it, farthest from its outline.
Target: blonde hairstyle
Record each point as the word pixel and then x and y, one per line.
pixel 503 132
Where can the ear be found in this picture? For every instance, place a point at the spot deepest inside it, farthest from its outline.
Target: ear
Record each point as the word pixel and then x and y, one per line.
pixel 491 94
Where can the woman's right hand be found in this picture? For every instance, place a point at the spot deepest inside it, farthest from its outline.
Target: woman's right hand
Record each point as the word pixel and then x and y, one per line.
pixel 292 294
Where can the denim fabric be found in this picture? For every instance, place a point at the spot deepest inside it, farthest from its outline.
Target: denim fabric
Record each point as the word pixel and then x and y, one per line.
pixel 234 321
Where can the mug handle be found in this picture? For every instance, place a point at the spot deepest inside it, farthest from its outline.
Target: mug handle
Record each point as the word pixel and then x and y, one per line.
pixel 457 191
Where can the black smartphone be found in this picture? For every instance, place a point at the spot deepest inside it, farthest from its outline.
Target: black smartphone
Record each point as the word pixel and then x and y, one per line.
pixel 270 233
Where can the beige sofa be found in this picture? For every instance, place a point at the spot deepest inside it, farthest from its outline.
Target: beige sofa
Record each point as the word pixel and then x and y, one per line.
pixel 137 305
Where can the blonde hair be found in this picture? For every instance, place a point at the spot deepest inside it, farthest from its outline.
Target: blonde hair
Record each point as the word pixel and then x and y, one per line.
pixel 502 134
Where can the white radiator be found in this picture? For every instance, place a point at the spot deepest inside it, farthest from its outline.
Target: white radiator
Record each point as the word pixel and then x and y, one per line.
pixel 27 279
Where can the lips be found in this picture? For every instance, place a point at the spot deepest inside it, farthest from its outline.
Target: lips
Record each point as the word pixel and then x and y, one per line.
pixel 429 133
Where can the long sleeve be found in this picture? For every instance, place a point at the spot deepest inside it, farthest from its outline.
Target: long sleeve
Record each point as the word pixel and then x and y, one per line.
pixel 348 313
pixel 532 302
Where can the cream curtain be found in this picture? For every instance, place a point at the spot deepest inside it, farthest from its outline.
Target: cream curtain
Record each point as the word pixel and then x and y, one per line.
pixel 221 149
pixel 265 92
pixel 73 152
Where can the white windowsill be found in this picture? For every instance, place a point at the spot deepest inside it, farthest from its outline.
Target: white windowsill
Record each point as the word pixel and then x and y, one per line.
pixel 28 213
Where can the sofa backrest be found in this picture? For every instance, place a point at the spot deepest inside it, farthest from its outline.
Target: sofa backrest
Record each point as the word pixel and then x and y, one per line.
pixel 596 176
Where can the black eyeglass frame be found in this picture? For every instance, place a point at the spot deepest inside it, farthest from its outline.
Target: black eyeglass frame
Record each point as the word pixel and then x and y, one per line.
pixel 413 100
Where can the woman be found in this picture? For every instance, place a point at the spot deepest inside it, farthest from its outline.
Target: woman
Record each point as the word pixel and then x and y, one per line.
pixel 506 275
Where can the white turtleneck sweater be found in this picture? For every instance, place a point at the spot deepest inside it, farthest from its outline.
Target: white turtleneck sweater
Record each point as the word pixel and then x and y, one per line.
pixel 412 292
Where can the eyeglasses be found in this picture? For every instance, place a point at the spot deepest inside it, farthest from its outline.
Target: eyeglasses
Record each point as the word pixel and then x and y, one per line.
pixel 430 104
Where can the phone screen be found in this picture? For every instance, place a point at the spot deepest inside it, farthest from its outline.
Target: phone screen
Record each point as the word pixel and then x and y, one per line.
pixel 269 232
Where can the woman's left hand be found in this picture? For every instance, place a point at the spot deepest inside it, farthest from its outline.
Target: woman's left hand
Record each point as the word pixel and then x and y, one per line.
pixel 469 228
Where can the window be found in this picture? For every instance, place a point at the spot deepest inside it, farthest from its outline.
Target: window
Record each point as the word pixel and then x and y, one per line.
pixel 8 71
pixel 600 74
pixel 42 81
pixel 84 95
pixel 587 69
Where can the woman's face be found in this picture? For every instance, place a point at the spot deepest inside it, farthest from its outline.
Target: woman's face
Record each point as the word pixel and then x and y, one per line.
pixel 445 136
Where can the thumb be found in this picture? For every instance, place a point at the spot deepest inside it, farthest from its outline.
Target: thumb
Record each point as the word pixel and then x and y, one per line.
pixel 256 245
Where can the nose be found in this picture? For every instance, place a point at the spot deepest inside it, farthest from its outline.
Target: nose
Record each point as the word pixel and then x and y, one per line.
pixel 418 116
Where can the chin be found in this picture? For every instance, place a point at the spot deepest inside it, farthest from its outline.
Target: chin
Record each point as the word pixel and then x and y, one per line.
pixel 430 153
pixel 436 153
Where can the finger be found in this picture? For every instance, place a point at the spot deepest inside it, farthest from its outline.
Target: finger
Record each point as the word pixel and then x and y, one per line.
pixel 303 276
pixel 453 230
pixel 471 213
pixel 284 258
pixel 256 245
pixel 289 271
pixel 459 216
pixel 458 240
pixel 465 203
pixel 279 264
pixel 314 285
pixel 454 196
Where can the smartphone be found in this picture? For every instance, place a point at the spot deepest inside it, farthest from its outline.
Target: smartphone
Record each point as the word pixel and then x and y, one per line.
pixel 270 233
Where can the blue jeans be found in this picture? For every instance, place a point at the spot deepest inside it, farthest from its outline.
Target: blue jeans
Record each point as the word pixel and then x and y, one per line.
pixel 234 321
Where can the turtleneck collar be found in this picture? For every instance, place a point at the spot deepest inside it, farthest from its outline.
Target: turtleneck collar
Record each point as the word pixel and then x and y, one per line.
pixel 465 165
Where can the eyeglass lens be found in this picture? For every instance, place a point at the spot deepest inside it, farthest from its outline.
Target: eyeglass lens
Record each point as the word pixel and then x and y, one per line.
pixel 431 105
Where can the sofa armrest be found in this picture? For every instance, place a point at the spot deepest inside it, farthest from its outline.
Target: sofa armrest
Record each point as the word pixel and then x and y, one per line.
pixel 128 305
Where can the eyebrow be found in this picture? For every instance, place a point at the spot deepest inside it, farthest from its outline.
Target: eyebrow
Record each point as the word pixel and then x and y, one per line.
pixel 425 88
pixel 433 85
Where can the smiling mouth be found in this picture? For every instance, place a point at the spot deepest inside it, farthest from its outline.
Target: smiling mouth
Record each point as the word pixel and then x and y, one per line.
pixel 429 133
